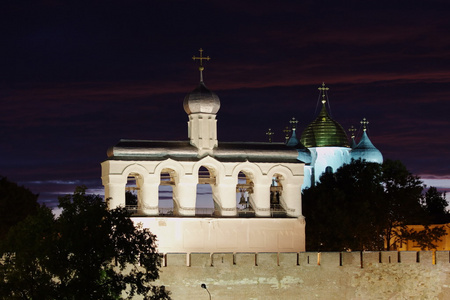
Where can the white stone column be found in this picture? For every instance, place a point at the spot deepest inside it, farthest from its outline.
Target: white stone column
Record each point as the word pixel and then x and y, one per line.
pixel 292 197
pixel 185 193
pixel 261 198
pixel 114 185
pixel 115 194
pixel 226 193
pixel 148 204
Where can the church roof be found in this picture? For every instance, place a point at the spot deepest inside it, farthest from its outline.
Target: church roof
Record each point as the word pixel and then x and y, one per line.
pixel 365 150
pixel 304 154
pixel 293 140
pixel 184 151
pixel 353 144
pixel 324 132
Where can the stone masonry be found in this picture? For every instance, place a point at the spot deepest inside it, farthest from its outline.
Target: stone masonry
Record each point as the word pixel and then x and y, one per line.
pixel 308 275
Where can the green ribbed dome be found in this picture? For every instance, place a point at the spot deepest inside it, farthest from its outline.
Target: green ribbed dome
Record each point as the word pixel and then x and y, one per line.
pixel 324 132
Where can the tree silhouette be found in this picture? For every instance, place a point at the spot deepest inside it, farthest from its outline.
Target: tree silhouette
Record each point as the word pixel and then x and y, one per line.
pixel 88 252
pixel 16 203
pixel 366 206
pixel 436 206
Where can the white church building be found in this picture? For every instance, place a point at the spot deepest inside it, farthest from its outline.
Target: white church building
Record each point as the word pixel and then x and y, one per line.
pixel 256 187
pixel 267 217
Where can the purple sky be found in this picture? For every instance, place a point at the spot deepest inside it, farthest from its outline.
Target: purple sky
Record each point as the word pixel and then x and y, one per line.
pixel 76 78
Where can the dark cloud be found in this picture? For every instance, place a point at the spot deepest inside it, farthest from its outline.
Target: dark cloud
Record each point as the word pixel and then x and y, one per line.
pixel 75 78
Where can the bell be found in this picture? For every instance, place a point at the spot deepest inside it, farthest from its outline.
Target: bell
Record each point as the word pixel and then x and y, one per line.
pixel 242 200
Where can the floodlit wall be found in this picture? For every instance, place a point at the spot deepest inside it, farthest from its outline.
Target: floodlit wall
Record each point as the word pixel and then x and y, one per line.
pixel 308 275
pixel 227 234
pixel 323 157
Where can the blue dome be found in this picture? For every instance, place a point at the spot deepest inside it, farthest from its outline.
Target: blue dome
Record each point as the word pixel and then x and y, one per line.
pixel 353 145
pixel 304 154
pixel 293 141
pixel 365 150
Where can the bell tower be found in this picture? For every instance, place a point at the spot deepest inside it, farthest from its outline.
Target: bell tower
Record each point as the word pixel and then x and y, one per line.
pixel 202 105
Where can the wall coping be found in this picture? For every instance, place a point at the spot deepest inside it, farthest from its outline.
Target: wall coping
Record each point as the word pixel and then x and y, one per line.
pixel 359 259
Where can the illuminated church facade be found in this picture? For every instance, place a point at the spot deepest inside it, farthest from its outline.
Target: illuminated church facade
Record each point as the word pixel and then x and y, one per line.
pixel 328 146
pixel 267 217
pixel 256 187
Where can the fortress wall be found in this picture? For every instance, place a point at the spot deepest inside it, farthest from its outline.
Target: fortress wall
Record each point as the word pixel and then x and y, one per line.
pixel 308 275
pixel 187 235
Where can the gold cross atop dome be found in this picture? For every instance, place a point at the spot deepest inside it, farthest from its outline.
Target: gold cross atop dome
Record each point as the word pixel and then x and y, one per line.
pixel 352 131
pixel 287 133
pixel 269 133
pixel 364 123
pixel 201 58
pixel 323 89
pixel 293 122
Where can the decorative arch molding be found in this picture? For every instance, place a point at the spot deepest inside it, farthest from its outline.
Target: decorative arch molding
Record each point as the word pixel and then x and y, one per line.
pixel 210 163
pixel 183 188
pixel 186 178
pixel 170 164
pixel 135 168
pixel 282 170
pixel 291 184
pixel 259 199
pixel 141 174
pixel 248 168
pixel 216 179
pixel 115 184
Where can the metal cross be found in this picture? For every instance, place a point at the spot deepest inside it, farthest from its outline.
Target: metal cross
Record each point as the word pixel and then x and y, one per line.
pixel 364 123
pixel 269 134
pixel 201 58
pixel 293 122
pixel 287 133
pixel 352 131
pixel 323 89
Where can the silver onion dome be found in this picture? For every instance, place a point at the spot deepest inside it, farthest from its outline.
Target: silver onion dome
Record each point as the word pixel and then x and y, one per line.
pixel 201 100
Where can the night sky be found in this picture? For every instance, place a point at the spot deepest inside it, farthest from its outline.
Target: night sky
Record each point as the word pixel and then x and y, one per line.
pixel 76 78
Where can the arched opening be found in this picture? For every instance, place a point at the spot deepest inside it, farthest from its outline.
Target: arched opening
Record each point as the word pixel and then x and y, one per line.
pixel 132 193
pixel 166 202
pixel 244 190
pixel 276 196
pixel 205 203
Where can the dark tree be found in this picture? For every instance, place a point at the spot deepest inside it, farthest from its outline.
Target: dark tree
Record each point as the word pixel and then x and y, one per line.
pixel 400 204
pixel 16 203
pixel 26 255
pixel 131 198
pixel 363 205
pixel 88 252
pixel 338 209
pixel 436 206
